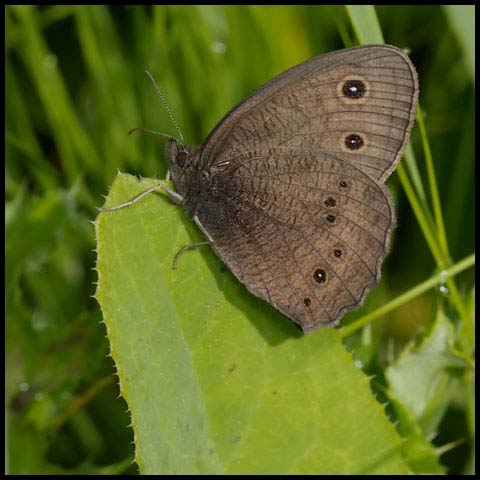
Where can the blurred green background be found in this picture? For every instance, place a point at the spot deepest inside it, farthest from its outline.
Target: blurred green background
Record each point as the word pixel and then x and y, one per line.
pixel 75 86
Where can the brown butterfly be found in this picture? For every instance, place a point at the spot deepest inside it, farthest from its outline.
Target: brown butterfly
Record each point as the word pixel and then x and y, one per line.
pixel 289 186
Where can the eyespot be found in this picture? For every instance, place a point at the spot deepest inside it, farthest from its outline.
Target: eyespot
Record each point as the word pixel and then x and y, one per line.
pixel 353 89
pixel 330 202
pixel 353 142
pixel 319 275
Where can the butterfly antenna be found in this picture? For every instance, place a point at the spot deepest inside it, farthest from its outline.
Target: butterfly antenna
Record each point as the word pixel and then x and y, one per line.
pixel 141 129
pixel 167 108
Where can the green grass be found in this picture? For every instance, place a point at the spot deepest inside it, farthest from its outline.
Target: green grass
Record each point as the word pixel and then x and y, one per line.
pixel 75 86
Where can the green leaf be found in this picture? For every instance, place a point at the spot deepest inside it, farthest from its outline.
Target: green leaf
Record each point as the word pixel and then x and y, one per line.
pixel 462 21
pixel 424 377
pixel 216 380
pixel 467 332
pixel 420 454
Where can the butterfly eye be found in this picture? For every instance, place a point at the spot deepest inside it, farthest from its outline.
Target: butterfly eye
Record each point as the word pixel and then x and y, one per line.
pixel 181 159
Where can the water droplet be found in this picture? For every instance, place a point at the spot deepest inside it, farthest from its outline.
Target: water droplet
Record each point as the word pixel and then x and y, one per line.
pixel 219 47
pixel 49 61
pixel 24 387
pixel 443 289
pixel 39 321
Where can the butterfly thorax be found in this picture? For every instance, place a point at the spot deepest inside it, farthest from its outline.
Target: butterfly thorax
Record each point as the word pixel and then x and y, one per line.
pixel 191 181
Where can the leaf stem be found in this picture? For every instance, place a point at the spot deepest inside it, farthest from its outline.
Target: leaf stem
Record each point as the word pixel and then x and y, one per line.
pixel 437 279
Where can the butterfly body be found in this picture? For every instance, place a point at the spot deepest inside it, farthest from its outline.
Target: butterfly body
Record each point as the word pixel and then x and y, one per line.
pixel 289 187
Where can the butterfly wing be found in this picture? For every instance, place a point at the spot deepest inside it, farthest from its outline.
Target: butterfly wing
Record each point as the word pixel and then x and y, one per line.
pixel 297 209
pixel 369 92
pixel 305 232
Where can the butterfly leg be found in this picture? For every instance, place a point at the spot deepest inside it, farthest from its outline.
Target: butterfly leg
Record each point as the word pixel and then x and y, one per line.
pixel 192 245
pixel 173 196
pixel 202 228
pixel 183 250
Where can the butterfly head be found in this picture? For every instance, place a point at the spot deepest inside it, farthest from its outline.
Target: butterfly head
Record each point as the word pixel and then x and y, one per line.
pixel 181 162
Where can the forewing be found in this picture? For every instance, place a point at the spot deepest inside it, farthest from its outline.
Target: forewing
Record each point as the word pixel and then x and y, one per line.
pixel 306 108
